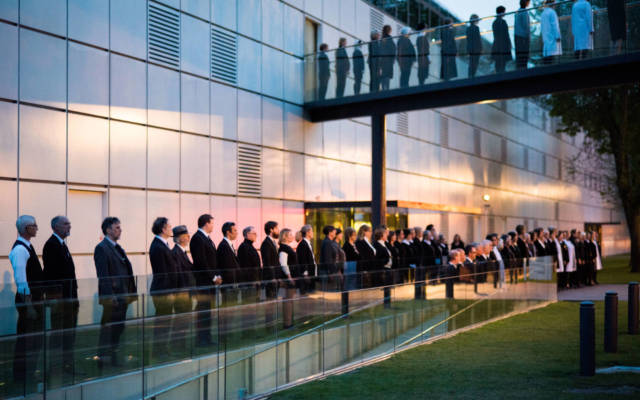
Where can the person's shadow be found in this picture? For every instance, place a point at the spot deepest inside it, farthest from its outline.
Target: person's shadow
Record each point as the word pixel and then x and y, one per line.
pixel 8 313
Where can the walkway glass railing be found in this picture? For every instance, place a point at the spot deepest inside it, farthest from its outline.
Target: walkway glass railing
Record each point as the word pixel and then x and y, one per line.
pixel 171 346
pixel 466 50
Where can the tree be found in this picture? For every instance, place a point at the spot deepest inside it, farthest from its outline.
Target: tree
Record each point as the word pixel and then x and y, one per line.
pixel 609 118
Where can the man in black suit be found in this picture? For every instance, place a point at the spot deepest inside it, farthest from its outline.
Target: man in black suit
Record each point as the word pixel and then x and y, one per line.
pixel 323 71
pixel 358 68
pixel 185 283
pixel 228 260
pixel 328 254
pixel 374 62
pixel 523 250
pixel 164 281
pixel 342 67
pixel 422 48
pixel 206 274
pixel 306 261
pixel 116 289
pixel 60 274
pixel 383 258
pixel 269 253
pixel 250 265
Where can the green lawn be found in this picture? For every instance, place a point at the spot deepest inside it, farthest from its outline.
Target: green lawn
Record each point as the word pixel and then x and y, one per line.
pixel 532 355
pixel 616 270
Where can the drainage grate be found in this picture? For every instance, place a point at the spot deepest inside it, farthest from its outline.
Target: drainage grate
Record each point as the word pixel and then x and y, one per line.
pixel 224 55
pixel 164 35
pixel 249 170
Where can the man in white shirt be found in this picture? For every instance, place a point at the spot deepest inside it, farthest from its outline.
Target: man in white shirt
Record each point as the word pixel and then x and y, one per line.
pixel 29 277
pixel 571 266
pixel 495 255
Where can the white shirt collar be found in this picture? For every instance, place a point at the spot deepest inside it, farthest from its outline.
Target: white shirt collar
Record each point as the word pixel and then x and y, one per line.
pixel 405 241
pixel 308 242
pixel 58 237
pixel 114 244
pixel 25 241
pixel 203 232
pixel 163 240
pixel 228 241
pixel 427 241
pixel 181 248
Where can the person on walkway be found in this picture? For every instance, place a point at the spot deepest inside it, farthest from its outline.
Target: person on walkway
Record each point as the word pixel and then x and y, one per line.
pixel 29 280
pixel 366 266
pixel 116 290
pixel 616 11
pixel 270 262
pixel 287 258
pixel 474 45
pixel 306 266
pixel 374 62
pixel 228 261
pixel 501 49
pixel 406 56
pixel 522 35
pixel 185 286
pixel 551 35
pixel 457 242
pixel 206 274
pixel 342 67
pixel 60 274
pixel 248 257
pixel 358 68
pixel 165 276
pixel 422 50
pixel 582 28
pixel 449 51
pixel 323 71
pixel 387 57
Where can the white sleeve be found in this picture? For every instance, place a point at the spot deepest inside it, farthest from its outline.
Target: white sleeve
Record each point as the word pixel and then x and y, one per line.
pixel 284 257
pixel 19 257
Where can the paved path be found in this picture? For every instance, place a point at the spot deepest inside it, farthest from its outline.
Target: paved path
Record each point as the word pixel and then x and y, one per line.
pixel 596 292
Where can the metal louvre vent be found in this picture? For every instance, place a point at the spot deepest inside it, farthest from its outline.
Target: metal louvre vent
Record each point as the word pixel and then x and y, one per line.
pixel 164 35
pixel 224 59
pixel 402 123
pixel 376 20
pixel 249 170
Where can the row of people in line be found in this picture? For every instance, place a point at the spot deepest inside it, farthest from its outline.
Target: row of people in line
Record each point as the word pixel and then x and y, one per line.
pixel 384 51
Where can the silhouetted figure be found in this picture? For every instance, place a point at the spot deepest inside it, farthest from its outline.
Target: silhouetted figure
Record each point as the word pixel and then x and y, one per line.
pixel 501 49
pixel 617 23
pixel 387 57
pixel 551 35
pixel 342 67
pixel 374 62
pixel 522 35
pixel 474 45
pixel 449 51
pixel 358 68
pixel 422 49
pixel 582 28
pixel 406 57
pixel 323 71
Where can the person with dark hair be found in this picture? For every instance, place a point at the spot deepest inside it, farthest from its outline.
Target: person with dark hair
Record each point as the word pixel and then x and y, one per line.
pixel 498 264
pixel 457 242
pixel 29 278
pixel 387 57
pixel 406 56
pixel 341 257
pixel 384 257
pixel 328 253
pixel 60 273
pixel 501 48
pixel 342 67
pixel 248 258
pixel 409 251
pixel 449 51
pixel 206 274
pixel 423 50
pixel 554 248
pixel 349 247
pixel 392 245
pixel 227 256
pixel 401 253
pixel 270 267
pixel 522 35
pixel 323 71
pixel 306 268
pixel 367 252
pixel 474 45
pixel 165 276
pixel 523 249
pixel 616 12
pixel 358 68
pixel 116 290
pixel 374 62
pixel 508 256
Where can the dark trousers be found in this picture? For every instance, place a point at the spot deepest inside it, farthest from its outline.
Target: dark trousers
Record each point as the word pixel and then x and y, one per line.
pixel 474 61
pixel 405 74
pixel 582 54
pixel 322 88
pixel 64 319
pixel 522 51
pixel 162 322
pixel 111 326
pixel 341 83
pixel 374 80
pixel 357 83
pixel 29 340
pixel 206 301
pixel 271 294
pixel 501 64
pixel 549 60
pixel 423 73
pixel 384 82
pixel 181 326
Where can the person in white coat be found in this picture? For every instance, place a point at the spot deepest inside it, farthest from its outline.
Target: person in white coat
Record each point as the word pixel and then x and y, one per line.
pixel 551 37
pixel 582 28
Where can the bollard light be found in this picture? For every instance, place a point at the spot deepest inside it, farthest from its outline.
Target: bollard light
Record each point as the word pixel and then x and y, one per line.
pixel 611 322
pixel 587 339
pixel 634 307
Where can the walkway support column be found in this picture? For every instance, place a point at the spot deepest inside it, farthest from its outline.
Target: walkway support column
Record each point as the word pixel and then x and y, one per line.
pixel 378 166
